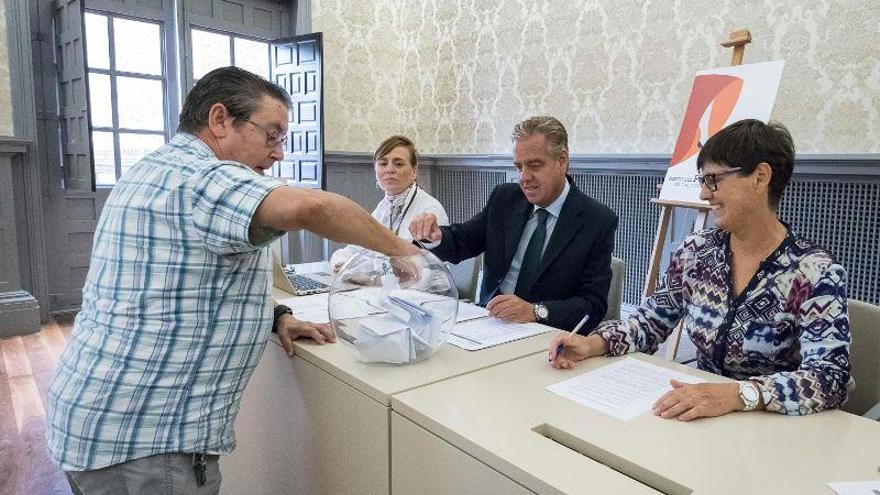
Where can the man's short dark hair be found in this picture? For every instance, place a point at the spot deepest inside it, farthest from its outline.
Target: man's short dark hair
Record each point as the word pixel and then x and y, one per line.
pixel 747 143
pixel 237 89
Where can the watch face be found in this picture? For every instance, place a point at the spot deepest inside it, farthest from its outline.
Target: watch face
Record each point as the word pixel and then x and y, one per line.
pixel 542 311
pixel 749 395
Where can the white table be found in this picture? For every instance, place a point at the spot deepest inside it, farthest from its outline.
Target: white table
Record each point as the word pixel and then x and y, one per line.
pixel 320 422
pixel 501 424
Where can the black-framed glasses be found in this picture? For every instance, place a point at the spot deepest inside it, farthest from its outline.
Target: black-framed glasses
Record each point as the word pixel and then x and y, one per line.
pixel 273 138
pixel 711 180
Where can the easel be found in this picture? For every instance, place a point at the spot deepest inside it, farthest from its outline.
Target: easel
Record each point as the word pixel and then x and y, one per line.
pixel 738 40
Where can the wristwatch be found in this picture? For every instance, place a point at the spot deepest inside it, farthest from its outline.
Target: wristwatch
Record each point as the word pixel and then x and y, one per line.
pixel 280 310
pixel 749 394
pixel 541 312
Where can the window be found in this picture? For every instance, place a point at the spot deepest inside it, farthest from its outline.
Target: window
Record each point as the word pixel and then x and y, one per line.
pixel 127 92
pixel 134 80
pixel 211 50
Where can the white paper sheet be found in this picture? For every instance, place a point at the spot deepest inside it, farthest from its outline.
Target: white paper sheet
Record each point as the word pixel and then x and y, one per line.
pixel 856 487
pixel 624 390
pixel 418 297
pixel 383 339
pixel 355 304
pixel 488 332
pixel 311 308
pixel 468 311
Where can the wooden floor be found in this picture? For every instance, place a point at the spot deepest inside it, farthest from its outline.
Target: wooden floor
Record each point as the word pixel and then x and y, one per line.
pixel 26 367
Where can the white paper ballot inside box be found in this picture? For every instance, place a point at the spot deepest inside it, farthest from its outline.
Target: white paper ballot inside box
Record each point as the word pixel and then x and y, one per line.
pixel 383 339
pixel 405 334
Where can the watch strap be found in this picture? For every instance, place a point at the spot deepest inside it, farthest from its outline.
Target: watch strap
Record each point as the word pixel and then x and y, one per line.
pixel 280 310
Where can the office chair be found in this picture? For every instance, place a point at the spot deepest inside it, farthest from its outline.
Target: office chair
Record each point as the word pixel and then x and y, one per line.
pixel 864 353
pixel 615 291
pixel 466 275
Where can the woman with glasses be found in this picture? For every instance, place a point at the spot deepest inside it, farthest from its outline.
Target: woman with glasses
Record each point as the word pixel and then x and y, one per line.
pixel 761 304
pixel 396 165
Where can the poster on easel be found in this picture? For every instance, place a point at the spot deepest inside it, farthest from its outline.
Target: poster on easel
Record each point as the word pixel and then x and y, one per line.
pixel 719 97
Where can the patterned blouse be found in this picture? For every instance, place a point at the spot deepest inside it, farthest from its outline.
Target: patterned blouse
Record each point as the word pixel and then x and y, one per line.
pixel 788 331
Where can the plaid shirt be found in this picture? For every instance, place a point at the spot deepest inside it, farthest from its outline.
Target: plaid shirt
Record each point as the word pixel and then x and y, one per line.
pixel 175 314
pixel 787 331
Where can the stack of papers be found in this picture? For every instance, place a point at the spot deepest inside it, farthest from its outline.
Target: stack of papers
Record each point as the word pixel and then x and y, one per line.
pixel 313 308
pixel 406 333
pixel 384 339
pixel 488 332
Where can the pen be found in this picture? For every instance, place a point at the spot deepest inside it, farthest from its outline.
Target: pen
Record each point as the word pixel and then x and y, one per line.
pixel 577 327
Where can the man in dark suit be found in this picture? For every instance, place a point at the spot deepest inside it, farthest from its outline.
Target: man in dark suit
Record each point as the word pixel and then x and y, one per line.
pixel 547 245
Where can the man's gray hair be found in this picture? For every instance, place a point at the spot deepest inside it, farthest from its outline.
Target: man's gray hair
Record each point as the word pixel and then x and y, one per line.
pixel 236 89
pixel 550 127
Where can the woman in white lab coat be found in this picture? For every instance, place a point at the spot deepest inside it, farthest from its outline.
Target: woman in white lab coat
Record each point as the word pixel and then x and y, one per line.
pixel 396 165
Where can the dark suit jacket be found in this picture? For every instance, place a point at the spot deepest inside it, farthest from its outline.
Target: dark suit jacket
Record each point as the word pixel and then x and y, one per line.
pixel 575 270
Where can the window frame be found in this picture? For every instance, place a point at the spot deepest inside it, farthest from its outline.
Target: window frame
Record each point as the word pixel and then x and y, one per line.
pixel 190 66
pixel 262 21
pixel 115 129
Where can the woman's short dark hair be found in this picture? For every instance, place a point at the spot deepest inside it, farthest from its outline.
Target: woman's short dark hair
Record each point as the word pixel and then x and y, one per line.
pixel 393 142
pixel 237 89
pixel 747 143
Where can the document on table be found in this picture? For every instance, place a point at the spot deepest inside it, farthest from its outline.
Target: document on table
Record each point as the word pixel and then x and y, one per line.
pixel 856 487
pixel 355 304
pixel 624 389
pixel 312 308
pixel 489 332
pixel 468 311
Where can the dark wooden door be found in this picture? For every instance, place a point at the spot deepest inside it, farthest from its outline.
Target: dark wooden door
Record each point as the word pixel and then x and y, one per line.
pixel 296 66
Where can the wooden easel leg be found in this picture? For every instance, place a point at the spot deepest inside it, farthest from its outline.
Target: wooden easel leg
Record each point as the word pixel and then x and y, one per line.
pixel 700 221
pixel 674 339
pixel 657 252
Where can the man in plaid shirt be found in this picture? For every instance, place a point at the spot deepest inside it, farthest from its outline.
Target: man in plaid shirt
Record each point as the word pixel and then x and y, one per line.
pixel 177 304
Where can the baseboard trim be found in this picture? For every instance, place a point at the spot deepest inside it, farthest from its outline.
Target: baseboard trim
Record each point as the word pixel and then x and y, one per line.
pixel 19 314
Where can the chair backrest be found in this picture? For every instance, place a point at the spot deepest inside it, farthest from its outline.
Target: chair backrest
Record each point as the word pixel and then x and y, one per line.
pixel 615 291
pixel 465 275
pixel 864 353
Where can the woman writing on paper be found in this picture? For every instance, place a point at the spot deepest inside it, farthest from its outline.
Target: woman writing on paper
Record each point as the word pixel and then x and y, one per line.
pixel 396 165
pixel 762 304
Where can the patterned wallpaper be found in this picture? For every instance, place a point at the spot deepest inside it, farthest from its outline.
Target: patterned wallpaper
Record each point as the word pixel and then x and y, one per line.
pixel 456 75
pixel 5 94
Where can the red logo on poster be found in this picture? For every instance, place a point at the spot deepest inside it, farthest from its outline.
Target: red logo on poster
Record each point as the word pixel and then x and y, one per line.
pixel 713 99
